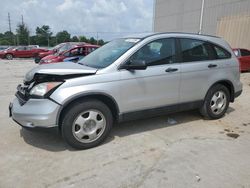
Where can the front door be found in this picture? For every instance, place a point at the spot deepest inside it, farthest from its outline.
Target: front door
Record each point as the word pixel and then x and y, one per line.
pixel 157 85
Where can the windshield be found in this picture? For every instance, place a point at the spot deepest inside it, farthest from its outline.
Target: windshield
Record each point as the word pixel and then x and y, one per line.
pixel 64 48
pixel 57 46
pixel 10 48
pixel 109 53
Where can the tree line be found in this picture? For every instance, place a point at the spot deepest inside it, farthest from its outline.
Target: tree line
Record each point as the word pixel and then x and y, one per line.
pixel 42 37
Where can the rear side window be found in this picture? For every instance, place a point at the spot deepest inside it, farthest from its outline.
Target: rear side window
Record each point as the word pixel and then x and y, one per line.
pixel 194 50
pixel 21 48
pixel 244 52
pixel 221 53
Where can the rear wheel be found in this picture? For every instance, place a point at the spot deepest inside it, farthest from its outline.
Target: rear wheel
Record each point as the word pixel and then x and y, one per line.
pixel 86 124
pixel 216 102
pixel 9 56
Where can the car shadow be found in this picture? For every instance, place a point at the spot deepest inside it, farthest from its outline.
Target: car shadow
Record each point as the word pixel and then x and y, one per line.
pixel 51 139
pixel 47 139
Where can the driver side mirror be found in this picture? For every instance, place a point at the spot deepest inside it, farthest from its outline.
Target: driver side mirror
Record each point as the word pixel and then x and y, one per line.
pixel 135 65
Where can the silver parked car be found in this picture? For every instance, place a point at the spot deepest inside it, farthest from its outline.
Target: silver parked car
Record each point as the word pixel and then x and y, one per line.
pixel 129 78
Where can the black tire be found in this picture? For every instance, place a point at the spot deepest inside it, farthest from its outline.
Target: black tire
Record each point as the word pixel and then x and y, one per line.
pixel 37 60
pixel 73 112
pixel 9 56
pixel 206 109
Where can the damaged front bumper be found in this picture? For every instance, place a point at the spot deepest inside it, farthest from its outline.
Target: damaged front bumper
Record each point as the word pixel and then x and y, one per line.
pixel 35 113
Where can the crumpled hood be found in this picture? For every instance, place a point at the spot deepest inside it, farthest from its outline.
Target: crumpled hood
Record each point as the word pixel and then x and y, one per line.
pixel 59 69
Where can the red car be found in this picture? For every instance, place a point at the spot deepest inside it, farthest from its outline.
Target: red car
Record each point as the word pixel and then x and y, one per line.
pixel 243 56
pixel 79 50
pixel 20 51
pixel 57 49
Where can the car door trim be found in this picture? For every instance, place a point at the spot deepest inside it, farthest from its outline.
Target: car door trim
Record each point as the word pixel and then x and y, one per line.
pixel 158 111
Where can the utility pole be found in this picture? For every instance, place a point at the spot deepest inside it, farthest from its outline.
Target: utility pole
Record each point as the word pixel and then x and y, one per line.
pixel 201 16
pixel 22 20
pixel 9 21
pixel 48 40
pixel 97 38
pixel 10 28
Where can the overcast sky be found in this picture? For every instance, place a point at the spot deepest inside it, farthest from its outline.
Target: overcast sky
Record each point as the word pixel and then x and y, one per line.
pixel 111 18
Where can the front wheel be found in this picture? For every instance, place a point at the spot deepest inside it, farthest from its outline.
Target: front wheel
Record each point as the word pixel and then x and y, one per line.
pixel 216 102
pixel 9 56
pixel 37 59
pixel 86 124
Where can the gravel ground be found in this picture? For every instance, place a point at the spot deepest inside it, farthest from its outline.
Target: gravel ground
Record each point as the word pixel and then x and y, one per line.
pixel 156 152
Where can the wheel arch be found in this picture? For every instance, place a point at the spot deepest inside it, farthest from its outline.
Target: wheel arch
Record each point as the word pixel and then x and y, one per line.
pixel 103 97
pixel 228 84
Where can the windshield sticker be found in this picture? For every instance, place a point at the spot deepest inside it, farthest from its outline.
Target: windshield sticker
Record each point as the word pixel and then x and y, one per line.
pixel 132 40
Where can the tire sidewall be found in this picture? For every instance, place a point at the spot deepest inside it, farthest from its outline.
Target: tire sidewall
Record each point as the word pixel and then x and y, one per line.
pixel 37 60
pixel 71 114
pixel 209 96
pixel 9 56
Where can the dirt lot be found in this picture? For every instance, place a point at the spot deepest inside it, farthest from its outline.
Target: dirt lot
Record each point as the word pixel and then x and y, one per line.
pixel 190 152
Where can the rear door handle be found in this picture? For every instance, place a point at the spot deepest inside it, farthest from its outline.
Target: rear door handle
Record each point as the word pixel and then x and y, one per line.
pixel 171 69
pixel 212 65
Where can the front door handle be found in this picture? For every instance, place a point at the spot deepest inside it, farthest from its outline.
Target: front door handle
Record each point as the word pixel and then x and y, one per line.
pixel 171 69
pixel 212 65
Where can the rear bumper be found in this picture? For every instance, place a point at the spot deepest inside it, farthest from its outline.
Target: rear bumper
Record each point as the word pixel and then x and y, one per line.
pixel 237 94
pixel 35 113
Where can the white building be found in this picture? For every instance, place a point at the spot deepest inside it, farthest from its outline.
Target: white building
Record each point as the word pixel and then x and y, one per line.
pixel 229 19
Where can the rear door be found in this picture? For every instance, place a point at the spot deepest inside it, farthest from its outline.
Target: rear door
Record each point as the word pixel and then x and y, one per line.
pixel 29 51
pixel 201 61
pixel 158 85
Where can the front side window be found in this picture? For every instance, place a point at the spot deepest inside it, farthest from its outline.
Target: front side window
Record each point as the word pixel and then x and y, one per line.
pixel 161 51
pixel 194 50
pixel 244 52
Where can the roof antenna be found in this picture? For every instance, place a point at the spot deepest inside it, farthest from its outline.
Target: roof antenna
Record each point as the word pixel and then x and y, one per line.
pixel 201 16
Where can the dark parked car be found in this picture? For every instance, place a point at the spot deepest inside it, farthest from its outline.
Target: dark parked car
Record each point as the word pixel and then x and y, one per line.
pixel 243 56
pixel 77 52
pixel 57 49
pixel 20 51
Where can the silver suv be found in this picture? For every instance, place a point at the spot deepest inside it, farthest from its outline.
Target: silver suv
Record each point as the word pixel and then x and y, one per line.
pixel 129 78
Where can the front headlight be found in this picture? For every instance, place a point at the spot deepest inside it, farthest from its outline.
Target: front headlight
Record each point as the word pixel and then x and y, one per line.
pixel 43 88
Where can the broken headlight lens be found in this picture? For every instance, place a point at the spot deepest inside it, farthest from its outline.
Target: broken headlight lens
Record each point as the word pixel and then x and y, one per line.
pixel 43 88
